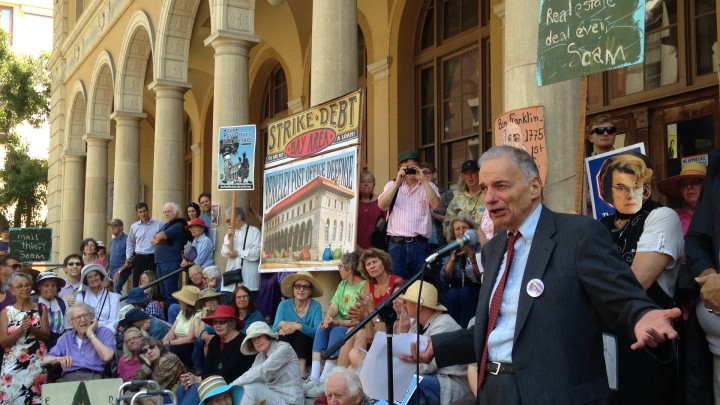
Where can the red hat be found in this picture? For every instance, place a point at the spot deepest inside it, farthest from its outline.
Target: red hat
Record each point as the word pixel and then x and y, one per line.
pixel 224 312
pixel 196 222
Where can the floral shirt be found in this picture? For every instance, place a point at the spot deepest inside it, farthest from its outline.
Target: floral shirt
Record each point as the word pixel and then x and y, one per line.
pixel 465 204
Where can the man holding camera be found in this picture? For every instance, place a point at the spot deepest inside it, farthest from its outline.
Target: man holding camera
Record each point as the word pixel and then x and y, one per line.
pixel 410 220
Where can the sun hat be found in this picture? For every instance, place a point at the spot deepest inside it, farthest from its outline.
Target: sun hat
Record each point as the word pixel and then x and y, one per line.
pixel 224 312
pixel 92 267
pixel 100 244
pixel 136 295
pixel 189 295
pixel 49 275
pixel 671 186
pixel 134 315
pixel 196 222
pixel 408 154
pixel 428 299
pixel 124 310
pixel 287 285
pixel 208 293
pixel 216 385
pixel 257 328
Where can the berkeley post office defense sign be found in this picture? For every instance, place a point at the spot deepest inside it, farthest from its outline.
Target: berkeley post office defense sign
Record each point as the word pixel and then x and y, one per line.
pixel 323 128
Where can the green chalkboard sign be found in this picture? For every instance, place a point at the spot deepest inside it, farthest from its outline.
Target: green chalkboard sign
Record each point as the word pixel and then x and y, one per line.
pixel 580 37
pixel 31 244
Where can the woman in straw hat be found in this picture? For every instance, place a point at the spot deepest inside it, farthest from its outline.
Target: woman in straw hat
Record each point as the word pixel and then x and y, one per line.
pixel 93 292
pixel 182 334
pixel 214 391
pixel 274 376
pixel 298 317
pixel 224 357
pixel 686 186
pixel 439 385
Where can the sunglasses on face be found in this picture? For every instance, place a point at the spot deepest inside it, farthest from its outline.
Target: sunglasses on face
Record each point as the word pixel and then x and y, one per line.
pixel 146 349
pixel 16 266
pixel 303 287
pixel 222 322
pixel 74 264
pixel 602 130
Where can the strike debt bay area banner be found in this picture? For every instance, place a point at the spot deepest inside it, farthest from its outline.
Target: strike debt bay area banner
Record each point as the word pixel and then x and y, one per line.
pixel 310 209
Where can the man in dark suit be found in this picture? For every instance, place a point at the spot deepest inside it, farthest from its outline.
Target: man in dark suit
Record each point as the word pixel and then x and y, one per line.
pixel 564 280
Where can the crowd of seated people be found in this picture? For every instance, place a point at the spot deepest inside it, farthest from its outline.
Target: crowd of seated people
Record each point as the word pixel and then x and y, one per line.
pixel 219 344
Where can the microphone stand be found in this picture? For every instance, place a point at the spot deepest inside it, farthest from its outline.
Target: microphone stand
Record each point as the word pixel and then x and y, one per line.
pixel 387 314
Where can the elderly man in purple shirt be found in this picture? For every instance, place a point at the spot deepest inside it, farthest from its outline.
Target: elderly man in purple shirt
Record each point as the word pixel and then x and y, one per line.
pixel 83 351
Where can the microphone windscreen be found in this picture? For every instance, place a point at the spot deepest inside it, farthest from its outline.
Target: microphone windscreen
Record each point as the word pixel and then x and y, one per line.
pixel 473 237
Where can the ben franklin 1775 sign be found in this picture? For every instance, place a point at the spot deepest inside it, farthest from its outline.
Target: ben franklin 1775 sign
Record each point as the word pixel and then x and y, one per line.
pixel 580 37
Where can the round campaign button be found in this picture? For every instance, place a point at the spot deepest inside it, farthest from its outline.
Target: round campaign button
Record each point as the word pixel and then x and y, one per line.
pixel 535 288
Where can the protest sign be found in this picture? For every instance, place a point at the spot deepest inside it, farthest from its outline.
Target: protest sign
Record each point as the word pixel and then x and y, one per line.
pixel 580 37
pixel 524 128
pixel 236 160
pixel 31 244
pixel 593 164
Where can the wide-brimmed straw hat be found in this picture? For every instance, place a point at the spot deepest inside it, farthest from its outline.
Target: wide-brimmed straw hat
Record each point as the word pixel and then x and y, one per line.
pixel 87 269
pixel 287 285
pixel 189 295
pixel 49 275
pixel 224 312
pixel 257 328
pixel 428 299
pixel 208 293
pixel 671 186
pixel 196 222
pixel 216 385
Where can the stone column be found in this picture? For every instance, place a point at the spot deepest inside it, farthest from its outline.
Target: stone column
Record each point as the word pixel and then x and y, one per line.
pixel 126 192
pixel 334 50
pixel 95 225
pixel 560 101
pixel 379 144
pixel 71 224
pixel 232 87
pixel 169 156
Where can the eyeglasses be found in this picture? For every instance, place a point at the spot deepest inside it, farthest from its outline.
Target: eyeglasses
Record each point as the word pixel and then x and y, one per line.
pixel 625 190
pixel 23 287
pixel 602 130
pixel 132 339
pixel 16 266
pixel 81 316
pixel 222 322
pixel 302 287
pixel 341 266
pixel 427 171
pixel 146 349
pixel 74 264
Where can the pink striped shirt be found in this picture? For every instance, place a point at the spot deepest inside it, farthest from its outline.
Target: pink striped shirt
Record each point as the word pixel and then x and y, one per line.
pixel 411 214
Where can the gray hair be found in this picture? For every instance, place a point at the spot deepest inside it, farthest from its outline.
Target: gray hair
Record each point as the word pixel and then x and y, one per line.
pixel 78 305
pixel 521 158
pixel 352 259
pixel 16 275
pixel 239 212
pixel 197 267
pixel 175 207
pixel 352 380
pixel 212 271
pixel 460 218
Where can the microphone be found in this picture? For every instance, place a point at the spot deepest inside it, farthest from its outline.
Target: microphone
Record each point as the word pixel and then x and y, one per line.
pixel 471 237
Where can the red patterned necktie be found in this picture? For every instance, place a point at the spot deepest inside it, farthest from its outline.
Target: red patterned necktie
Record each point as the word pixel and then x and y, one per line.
pixel 495 304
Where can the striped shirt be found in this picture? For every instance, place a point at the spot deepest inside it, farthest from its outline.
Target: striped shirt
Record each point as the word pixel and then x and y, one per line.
pixel 411 215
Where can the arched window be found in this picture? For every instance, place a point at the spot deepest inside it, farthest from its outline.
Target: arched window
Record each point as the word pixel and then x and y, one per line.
pixel 334 230
pixel 327 230
pixel 341 230
pixel 452 65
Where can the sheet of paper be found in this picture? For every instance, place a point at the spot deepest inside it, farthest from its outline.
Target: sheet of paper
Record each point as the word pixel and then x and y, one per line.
pixel 374 378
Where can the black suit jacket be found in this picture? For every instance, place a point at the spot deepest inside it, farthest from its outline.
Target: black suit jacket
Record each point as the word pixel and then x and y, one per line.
pixel 702 241
pixel 558 350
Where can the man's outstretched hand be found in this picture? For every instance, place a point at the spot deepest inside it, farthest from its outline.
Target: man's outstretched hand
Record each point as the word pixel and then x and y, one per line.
pixel 425 357
pixel 655 327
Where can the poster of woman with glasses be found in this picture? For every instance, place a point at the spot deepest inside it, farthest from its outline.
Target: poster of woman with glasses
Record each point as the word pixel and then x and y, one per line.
pixel 603 187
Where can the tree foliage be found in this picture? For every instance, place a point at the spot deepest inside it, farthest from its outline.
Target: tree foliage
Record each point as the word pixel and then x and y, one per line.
pixel 24 88
pixel 24 97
